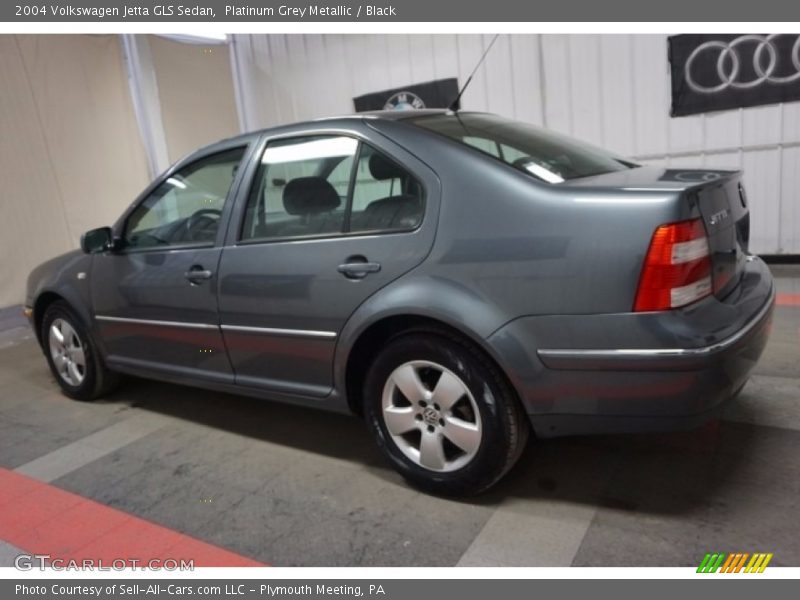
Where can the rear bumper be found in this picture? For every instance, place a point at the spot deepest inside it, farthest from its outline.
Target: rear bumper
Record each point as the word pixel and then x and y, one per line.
pixel 656 359
pixel 668 371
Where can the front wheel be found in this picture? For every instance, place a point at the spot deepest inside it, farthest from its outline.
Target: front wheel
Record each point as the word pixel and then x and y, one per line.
pixel 72 357
pixel 443 414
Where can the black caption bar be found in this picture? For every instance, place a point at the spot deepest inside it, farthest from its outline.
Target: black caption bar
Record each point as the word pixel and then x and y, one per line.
pixel 740 588
pixel 398 11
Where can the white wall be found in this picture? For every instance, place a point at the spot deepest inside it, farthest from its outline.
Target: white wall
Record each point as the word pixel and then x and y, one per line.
pixel 72 156
pixel 610 90
pixel 70 153
pixel 195 93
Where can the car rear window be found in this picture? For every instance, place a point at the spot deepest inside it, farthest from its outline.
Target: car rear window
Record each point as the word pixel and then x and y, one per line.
pixel 545 155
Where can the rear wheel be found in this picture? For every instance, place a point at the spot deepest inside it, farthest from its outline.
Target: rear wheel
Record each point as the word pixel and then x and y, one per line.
pixel 71 355
pixel 443 414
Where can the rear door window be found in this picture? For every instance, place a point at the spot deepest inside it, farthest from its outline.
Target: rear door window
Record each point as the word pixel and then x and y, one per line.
pixel 386 196
pixel 300 188
pixel 322 186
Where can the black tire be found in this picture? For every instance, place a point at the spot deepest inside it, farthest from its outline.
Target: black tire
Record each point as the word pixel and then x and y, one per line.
pixel 97 380
pixel 504 426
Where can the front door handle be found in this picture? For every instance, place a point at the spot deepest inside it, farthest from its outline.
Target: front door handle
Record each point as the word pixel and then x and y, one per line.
pixel 357 267
pixel 197 273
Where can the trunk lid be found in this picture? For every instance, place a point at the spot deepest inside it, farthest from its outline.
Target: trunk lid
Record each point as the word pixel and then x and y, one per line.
pixel 717 195
pixel 723 206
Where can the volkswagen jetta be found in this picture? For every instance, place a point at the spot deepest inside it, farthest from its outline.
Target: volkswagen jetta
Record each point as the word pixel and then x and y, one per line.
pixel 459 279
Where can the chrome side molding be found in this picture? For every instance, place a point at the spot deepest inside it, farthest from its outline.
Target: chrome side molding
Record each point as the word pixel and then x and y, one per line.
pixel 231 328
pixel 157 323
pixel 276 331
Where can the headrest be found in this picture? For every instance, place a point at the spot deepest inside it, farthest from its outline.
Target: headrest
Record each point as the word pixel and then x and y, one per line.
pixel 310 196
pixel 382 168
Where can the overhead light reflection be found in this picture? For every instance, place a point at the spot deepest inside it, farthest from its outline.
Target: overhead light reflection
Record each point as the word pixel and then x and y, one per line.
pixel 176 183
pixel 324 148
pixel 542 173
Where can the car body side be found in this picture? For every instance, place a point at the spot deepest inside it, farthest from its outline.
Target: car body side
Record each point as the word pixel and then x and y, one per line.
pixel 521 268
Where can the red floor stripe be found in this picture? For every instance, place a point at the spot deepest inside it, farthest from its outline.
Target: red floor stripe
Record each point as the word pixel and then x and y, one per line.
pixel 787 299
pixel 43 519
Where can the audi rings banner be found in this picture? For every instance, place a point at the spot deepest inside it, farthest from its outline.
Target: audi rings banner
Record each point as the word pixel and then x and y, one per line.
pixel 432 94
pixel 720 72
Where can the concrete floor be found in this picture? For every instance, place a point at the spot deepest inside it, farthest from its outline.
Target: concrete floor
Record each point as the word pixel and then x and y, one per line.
pixel 292 486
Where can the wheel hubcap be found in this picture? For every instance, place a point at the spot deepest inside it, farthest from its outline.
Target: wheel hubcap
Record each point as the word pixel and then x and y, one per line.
pixel 67 352
pixel 431 416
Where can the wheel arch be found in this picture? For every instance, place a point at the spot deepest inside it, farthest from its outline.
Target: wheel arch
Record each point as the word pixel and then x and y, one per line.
pixel 45 299
pixel 379 332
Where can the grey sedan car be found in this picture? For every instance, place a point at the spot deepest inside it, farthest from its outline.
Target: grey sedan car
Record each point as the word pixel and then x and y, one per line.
pixel 460 280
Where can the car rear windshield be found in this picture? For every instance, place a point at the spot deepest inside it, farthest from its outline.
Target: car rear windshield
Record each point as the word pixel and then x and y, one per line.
pixel 541 153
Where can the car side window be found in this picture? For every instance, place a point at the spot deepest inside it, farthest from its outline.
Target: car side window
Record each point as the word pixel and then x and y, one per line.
pixel 486 145
pixel 386 197
pixel 300 188
pixel 185 209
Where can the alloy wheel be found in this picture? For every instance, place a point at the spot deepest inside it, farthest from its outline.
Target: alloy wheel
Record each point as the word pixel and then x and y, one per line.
pixel 67 352
pixel 431 416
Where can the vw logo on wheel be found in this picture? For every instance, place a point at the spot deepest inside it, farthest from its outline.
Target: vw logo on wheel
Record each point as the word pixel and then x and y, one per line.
pixel 765 63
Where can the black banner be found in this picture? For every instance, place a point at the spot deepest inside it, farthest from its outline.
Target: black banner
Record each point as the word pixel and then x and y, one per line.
pixel 432 94
pixel 443 11
pixel 720 72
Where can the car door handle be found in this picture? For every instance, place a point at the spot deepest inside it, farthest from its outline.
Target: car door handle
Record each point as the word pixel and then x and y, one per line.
pixel 196 274
pixel 358 269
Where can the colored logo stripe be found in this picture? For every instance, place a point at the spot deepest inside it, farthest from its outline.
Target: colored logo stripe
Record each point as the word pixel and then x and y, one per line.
pixel 734 562
pixel 758 563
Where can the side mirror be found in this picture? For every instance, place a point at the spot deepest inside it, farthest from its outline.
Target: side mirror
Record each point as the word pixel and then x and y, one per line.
pixel 97 240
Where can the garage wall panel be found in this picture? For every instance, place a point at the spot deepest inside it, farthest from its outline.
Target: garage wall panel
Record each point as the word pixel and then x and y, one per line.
pixel 617 94
pixel 761 125
pixel 499 76
pixel 790 203
pixel 30 199
pixel 763 168
pixel 70 153
pixel 724 129
pixel 585 80
pixel 651 95
pixel 610 90
pixel 527 73
pixel 195 90
pixel 445 57
pixel 557 83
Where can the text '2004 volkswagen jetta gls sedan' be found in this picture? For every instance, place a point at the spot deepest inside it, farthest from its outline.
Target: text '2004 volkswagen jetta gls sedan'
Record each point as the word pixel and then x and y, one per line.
pixel 457 279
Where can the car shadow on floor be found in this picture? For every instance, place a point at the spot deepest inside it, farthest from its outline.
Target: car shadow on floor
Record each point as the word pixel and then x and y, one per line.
pixel 665 473
pixel 668 473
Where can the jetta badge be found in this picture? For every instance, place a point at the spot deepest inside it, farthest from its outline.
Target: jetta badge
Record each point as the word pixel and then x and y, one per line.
pixel 718 217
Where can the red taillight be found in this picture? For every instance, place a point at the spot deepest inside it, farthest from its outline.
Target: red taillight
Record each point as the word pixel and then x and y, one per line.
pixel 677 268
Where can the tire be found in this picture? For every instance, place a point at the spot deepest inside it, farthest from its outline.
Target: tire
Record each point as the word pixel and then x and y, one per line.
pixel 486 419
pixel 73 359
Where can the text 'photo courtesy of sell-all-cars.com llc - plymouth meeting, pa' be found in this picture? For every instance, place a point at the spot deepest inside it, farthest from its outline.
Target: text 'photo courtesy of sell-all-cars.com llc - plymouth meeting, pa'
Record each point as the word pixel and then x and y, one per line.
pixel 460 281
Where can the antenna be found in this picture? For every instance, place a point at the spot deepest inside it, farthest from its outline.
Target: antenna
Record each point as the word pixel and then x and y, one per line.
pixel 454 104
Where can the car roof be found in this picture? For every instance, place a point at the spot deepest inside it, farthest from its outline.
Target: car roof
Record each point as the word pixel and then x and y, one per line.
pixel 388 115
pixel 396 115
pixel 385 115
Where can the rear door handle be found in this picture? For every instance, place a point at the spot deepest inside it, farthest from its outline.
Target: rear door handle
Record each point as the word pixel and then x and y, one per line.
pixel 358 269
pixel 196 274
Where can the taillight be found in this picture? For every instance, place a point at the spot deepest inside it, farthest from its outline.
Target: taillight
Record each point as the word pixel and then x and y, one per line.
pixel 677 268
